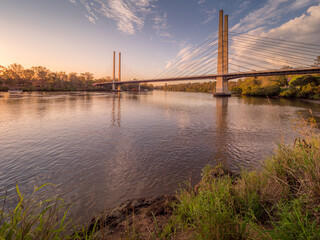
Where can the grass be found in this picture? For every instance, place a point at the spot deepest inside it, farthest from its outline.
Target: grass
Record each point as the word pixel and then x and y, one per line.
pixel 34 218
pixel 280 200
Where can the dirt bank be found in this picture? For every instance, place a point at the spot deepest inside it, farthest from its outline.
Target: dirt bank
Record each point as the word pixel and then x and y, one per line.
pixel 138 218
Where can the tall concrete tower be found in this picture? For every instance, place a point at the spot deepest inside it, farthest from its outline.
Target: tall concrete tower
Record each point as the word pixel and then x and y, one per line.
pixel 114 70
pixel 119 78
pixel 223 54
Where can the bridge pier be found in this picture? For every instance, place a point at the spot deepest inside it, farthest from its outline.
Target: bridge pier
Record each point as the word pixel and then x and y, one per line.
pixel 223 63
pixel 119 78
pixel 114 71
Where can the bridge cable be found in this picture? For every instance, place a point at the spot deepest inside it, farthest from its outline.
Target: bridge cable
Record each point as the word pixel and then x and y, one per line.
pixel 274 39
pixel 193 49
pixel 240 67
pixel 197 53
pixel 134 72
pixel 266 43
pixel 250 64
pixel 204 55
pixel 267 57
pixel 250 45
pixel 138 77
pixel 191 68
pixel 285 62
pixel 242 46
pixel 128 75
pixel 202 66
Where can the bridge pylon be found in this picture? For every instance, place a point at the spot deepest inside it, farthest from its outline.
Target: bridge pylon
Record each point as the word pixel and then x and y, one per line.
pixel 223 57
pixel 114 71
pixel 119 78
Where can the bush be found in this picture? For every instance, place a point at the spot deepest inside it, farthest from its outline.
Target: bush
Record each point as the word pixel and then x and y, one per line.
pixel 304 80
pixel 3 89
pixel 289 93
pixel 236 90
pixel 316 96
pixel 272 90
pixel 307 90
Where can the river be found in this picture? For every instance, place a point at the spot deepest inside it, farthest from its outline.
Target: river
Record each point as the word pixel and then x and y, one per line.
pixel 102 148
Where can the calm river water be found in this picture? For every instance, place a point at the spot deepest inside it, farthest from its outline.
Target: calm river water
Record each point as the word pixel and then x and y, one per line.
pixel 101 148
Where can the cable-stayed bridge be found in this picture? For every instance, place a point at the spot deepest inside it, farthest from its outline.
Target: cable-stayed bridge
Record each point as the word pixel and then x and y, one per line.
pixel 229 55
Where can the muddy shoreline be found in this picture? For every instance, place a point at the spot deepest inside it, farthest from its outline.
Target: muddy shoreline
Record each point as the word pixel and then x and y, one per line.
pixel 138 216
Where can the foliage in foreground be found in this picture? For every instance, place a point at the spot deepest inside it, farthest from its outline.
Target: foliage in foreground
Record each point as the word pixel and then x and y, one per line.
pixel 36 218
pixel 33 217
pixel 281 201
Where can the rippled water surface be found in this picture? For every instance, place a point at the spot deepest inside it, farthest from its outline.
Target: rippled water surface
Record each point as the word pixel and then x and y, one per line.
pixel 103 148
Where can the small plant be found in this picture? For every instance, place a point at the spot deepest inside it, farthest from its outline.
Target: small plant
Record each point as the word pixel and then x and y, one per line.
pixel 34 218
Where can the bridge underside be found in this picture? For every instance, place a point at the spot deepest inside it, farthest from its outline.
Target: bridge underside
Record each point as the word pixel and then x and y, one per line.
pixel 227 76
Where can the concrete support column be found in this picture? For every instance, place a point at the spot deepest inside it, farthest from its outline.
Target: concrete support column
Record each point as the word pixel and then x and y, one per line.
pixel 219 85
pixel 114 70
pixel 225 53
pixel 222 64
pixel 119 78
pixel 139 87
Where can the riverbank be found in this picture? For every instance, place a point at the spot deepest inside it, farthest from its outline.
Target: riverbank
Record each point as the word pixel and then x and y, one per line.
pixel 134 219
pixel 291 87
pixel 278 201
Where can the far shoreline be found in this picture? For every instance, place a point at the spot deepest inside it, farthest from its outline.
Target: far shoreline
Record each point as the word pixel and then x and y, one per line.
pixel 109 91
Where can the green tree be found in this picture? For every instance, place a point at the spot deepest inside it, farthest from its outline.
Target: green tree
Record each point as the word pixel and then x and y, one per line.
pixel 303 80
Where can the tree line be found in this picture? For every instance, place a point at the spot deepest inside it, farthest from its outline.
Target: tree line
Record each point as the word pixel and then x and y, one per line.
pixel 303 86
pixel 39 78
pixel 205 87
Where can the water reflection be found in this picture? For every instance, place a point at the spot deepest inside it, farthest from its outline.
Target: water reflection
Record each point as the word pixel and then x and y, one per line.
pixel 221 127
pixel 116 110
pixel 102 148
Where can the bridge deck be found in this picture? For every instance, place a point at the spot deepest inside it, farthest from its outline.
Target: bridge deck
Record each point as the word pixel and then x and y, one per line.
pixel 228 76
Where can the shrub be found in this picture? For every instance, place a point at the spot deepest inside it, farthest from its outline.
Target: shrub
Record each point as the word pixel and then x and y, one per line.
pixel 307 90
pixel 304 80
pixel 288 93
pixel 236 90
pixel 3 89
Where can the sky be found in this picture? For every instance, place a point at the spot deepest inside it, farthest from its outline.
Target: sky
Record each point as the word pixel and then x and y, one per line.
pixel 81 35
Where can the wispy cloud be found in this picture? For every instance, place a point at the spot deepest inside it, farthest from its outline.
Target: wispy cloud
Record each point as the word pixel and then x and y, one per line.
pixel 210 15
pixel 270 14
pixel 240 8
pixel 193 60
pixel 304 29
pixel 129 15
pixel 161 26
